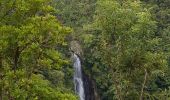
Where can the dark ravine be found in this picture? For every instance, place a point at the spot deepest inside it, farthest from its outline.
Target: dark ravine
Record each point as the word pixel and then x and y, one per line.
pixel 88 87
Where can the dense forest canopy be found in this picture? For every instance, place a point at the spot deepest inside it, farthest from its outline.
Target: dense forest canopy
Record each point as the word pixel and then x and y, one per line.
pixel 124 47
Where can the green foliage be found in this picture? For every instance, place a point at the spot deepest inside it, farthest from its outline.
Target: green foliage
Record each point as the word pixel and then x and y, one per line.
pixel 36 88
pixel 75 13
pixel 30 34
pixel 124 50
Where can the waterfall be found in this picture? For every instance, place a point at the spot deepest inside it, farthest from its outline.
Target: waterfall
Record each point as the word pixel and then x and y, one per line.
pixel 78 82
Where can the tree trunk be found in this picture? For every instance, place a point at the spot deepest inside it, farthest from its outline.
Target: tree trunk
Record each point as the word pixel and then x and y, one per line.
pixel 143 85
pixel 16 58
pixel 117 82
pixel 118 91
pixel 1 78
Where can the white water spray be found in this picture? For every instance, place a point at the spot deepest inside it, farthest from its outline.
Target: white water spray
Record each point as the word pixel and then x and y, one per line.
pixel 78 77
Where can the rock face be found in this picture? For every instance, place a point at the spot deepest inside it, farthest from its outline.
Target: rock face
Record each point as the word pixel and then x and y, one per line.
pixel 76 48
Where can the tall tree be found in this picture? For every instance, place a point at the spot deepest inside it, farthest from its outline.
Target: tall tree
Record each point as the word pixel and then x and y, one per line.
pixel 30 34
pixel 124 51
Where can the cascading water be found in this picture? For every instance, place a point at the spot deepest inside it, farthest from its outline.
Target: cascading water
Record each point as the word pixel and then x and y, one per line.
pixel 78 82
